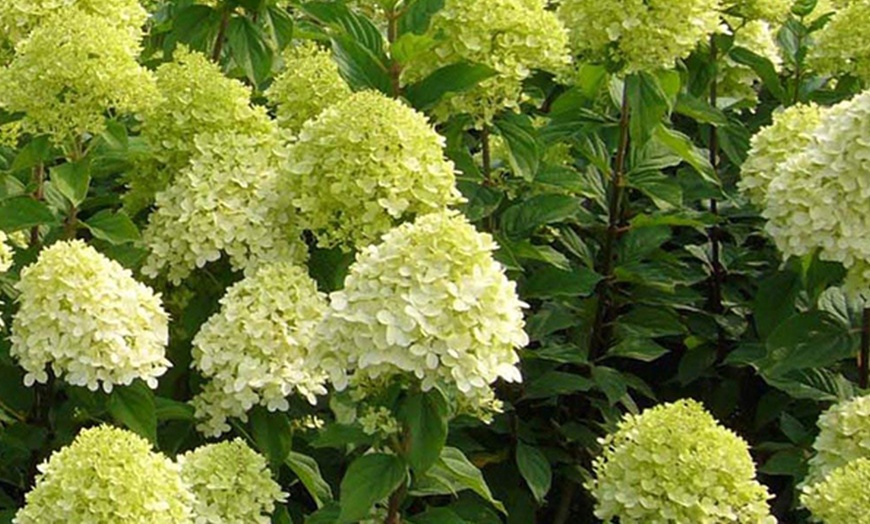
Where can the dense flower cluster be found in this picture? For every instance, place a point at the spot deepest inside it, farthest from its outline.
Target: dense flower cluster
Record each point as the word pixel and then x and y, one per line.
pixel 231 483
pixel 19 17
pixel 843 497
pixel 844 436
pixel 770 10
pixel 254 350
pixel 792 130
pixel 675 464
pixel 738 82
pixel 83 66
pixel 843 45
pixel 512 37
pixel 639 35
pixel 87 317
pixel 429 301
pixel 106 476
pixel 817 201
pixel 363 165
pixel 309 84
pixel 226 200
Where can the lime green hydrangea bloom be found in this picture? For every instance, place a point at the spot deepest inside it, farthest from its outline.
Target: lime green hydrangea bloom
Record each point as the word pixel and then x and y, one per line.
pixel 19 17
pixel 430 303
pixel 72 70
pixel 6 253
pixel 232 484
pixel 309 84
pixel 844 435
pixel 86 316
pixel 226 200
pixel 675 464
pixel 254 349
pixel 513 37
pixel 769 10
pixel 817 201
pixel 843 45
pixel 107 476
pixel 638 35
pixel 843 497
pixel 791 131
pixel 365 164
pixel 738 83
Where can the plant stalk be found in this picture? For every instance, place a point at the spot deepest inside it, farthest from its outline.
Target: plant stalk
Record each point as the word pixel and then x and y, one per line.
pixel 864 355
pixel 39 194
pixel 395 66
pixel 221 36
pixel 714 233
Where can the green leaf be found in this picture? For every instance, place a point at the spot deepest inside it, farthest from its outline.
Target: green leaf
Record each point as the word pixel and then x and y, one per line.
pixel 699 110
pixel 73 180
pixel 814 339
pixel 665 192
pixel 248 47
pixel 196 26
pixel 635 348
pixel 454 78
pixel 341 19
pixel 438 516
pixel 611 382
pixel 279 26
pixel 535 469
pixel 417 14
pixel 522 219
pixel 36 152
pixel 682 146
pixel 361 68
pixel 115 228
pixel 803 7
pixel 763 67
pixel 369 479
pixel 648 105
pixel 424 414
pixel 821 385
pixel 134 407
pixel 551 282
pixel 453 473
pixel 524 152
pixel 481 200
pixel 273 435
pixel 23 213
pixel 775 301
pixel 168 409
pixel 308 471
pixel 555 383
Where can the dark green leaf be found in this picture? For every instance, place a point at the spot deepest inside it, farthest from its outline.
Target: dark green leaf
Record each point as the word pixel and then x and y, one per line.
pixel 763 67
pixel 642 349
pixel 535 469
pixel 814 339
pixel 279 26
pixel 134 407
pixel 72 180
pixel 648 106
pixel 416 15
pixel 248 47
pixel 556 383
pixel 454 78
pixel 425 417
pixel 550 282
pixel 308 471
pixel 522 219
pixel 682 146
pixel 361 68
pixel 23 213
pixel 273 435
pixel 369 479
pixel 115 228
pixel 524 152
pixel 611 382
pixel 775 301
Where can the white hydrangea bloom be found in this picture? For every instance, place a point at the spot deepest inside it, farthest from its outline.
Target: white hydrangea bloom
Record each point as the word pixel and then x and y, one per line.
pixel 428 301
pixel 232 484
pixel 254 349
pixel 6 252
pixel 86 316
pixel 818 201
pixel 844 436
pixel 226 200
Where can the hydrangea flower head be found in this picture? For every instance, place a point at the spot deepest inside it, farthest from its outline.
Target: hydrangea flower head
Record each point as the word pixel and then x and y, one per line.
pixel 513 37
pixel 71 70
pixel 19 17
pixel 675 464
pixel 309 84
pixel 842 498
pixel 791 131
pixel 768 10
pixel 365 164
pixel 844 436
pixel 85 316
pixel 638 35
pixel 231 482
pixel 225 200
pixel 428 302
pixel 255 349
pixel 843 45
pixel 817 201
pixel 107 476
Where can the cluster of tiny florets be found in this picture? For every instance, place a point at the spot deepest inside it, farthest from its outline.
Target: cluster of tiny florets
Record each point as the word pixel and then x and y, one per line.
pixel 513 37
pixel 107 476
pixel 226 201
pixel 428 301
pixel 19 17
pixel 843 45
pixel 231 484
pixel 791 131
pixel 254 351
pixel 86 317
pixel 365 164
pixel 639 35
pixel 309 84
pixel 84 66
pixel 769 10
pixel 675 464
pixel 816 201
pixel 843 497
pixel 844 436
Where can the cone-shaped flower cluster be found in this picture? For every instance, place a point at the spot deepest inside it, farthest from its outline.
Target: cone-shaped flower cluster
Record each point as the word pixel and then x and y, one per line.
pixel 428 302
pixel 107 476
pixel 232 484
pixel 513 37
pixel 843 497
pixel 309 84
pixel 226 200
pixel 843 45
pixel 638 35
pixel 86 317
pixel 19 17
pixel 844 436
pixel 675 464
pixel 254 350
pixel 363 165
